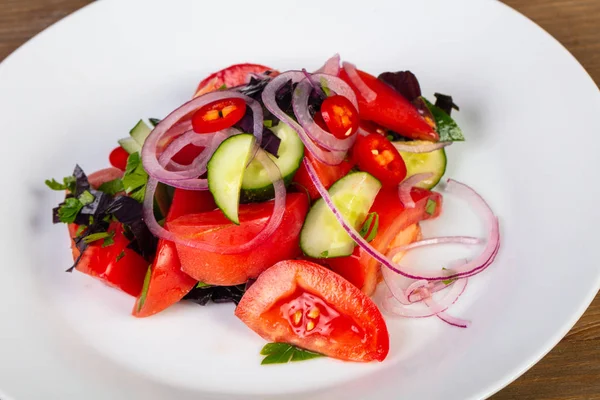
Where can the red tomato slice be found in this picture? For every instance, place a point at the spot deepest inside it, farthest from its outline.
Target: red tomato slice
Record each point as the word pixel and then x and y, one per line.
pixel 234 269
pixel 391 110
pixel 376 155
pixel 218 115
pixel 232 76
pixel 116 265
pixel 328 174
pixel 340 116
pixel 168 283
pixel 395 222
pixel 118 158
pixel 304 304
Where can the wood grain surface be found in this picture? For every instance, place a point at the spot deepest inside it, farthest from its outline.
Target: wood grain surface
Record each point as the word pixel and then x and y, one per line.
pixel 571 371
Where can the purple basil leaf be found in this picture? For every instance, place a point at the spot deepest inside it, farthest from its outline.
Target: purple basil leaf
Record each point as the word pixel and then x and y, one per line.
pixel 404 82
pixel 445 102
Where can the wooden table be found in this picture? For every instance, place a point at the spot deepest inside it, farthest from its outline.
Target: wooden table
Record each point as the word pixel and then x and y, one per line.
pixel 572 370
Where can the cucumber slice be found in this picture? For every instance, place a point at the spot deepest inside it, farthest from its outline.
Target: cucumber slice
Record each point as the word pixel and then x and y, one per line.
pixel 130 145
pixel 416 163
pixel 322 235
pixel 225 171
pixel 140 132
pixel 256 185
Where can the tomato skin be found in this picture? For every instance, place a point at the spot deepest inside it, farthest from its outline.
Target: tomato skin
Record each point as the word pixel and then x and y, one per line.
pixel 264 302
pixel 116 265
pixel 340 116
pixel 391 110
pixel 376 155
pixel 104 175
pixel 231 76
pixel 218 115
pixel 168 283
pixel 395 226
pixel 328 174
pixel 118 158
pixel 234 269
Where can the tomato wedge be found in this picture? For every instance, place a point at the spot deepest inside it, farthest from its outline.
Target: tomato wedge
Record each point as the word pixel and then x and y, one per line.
pixel 116 265
pixel 305 304
pixel 168 283
pixel 233 269
pixel 328 174
pixel 118 158
pixel 397 226
pixel 340 116
pixel 218 115
pixel 376 155
pixel 232 76
pixel 391 110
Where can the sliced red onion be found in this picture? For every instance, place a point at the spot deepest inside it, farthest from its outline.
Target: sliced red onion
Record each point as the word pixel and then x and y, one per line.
pixel 198 166
pixel 314 131
pixel 471 268
pixel 406 186
pixel 450 320
pixel 362 132
pixel 166 128
pixel 397 303
pixel 467 240
pixel 331 66
pixel 427 147
pixel 268 97
pixel 179 143
pixel 365 91
pixel 272 224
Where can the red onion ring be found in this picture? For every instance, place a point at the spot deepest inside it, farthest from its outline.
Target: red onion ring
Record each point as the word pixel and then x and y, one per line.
pixel 393 305
pixel 406 186
pixel 272 224
pixel 473 267
pixel 198 166
pixel 314 131
pixel 450 320
pixel 420 148
pixel 164 129
pixel 268 97
pixel 365 91
pixel 331 66
pixel 434 241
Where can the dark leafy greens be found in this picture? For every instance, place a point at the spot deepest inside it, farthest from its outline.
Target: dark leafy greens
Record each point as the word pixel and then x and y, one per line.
pixel 407 84
pixel 94 210
pixel 404 82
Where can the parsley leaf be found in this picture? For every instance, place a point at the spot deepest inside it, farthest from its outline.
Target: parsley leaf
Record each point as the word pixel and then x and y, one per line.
pixel 430 207
pixel 281 353
pixel 447 128
pixel 448 281
pixel 202 285
pixel 67 212
pixel 80 230
pixel 69 183
pixel 86 198
pixel 112 187
pixel 120 255
pixel 145 287
pixel 222 87
pixel 369 228
pixel 107 236
pixel 135 178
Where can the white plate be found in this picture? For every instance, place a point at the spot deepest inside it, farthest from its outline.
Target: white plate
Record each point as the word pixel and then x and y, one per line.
pixel 527 108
